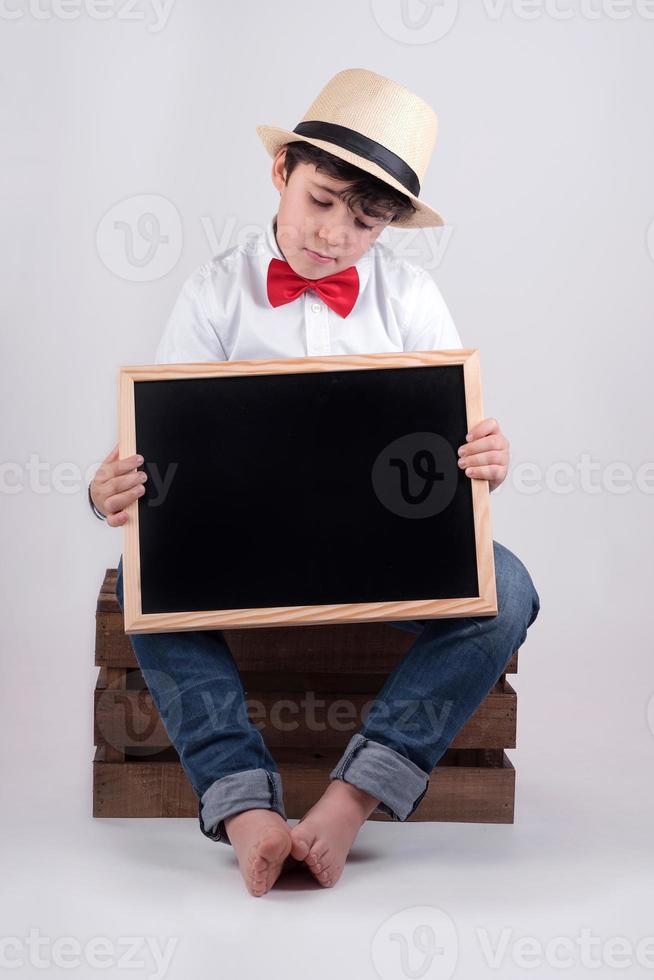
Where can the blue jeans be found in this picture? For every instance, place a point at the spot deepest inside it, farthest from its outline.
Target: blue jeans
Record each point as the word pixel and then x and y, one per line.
pixel 440 682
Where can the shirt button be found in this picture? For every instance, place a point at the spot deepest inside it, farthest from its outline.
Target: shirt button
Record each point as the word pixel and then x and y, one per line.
pixel 316 307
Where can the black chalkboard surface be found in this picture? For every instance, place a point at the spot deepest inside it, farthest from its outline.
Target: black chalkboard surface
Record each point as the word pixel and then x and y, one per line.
pixel 319 482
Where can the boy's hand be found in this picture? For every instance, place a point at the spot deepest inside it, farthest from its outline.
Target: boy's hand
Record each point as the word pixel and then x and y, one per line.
pixel 116 484
pixel 485 455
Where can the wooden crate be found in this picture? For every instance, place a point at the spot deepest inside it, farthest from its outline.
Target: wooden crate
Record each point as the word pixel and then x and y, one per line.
pixel 137 772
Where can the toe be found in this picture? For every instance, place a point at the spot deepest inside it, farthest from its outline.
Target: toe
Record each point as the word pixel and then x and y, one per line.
pixel 301 841
pixel 257 884
pixel 324 876
pixel 265 860
pixel 320 863
pixel 330 876
pixel 318 855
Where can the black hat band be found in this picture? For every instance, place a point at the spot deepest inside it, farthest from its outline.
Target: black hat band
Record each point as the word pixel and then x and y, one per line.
pixel 349 139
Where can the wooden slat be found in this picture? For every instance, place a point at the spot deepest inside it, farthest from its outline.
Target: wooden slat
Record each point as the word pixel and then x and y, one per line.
pixel 472 790
pixel 115 678
pixel 344 648
pixel 128 717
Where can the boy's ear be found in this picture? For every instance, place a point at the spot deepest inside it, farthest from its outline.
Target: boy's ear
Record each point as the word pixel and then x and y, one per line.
pixel 279 169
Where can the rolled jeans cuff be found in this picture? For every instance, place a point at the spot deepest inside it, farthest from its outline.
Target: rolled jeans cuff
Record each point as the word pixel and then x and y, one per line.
pixel 394 780
pixel 259 789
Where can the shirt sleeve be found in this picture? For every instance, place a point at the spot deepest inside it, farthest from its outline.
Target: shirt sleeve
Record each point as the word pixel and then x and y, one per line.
pixel 190 333
pixel 430 326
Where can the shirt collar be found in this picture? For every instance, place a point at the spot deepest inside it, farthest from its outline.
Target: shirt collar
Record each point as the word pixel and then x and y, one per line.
pixel 271 249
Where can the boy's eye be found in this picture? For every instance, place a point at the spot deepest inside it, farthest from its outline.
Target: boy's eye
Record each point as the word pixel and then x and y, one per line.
pixel 326 204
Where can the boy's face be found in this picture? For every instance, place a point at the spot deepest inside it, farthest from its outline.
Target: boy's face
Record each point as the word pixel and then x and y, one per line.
pixel 311 219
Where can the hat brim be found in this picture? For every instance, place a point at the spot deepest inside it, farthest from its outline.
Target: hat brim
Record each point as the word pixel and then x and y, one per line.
pixel 425 217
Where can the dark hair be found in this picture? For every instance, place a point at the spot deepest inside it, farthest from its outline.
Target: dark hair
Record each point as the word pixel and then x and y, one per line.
pixel 367 192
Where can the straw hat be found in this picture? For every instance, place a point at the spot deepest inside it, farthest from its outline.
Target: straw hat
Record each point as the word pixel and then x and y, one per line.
pixel 375 124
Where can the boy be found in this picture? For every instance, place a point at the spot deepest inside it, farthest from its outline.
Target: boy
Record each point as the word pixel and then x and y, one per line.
pixel 314 283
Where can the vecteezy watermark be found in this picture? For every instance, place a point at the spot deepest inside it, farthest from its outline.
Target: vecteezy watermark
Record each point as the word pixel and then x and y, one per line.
pixel 153 12
pixel 584 475
pixel 422 246
pixel 411 477
pixel 415 21
pixel 127 716
pixel 99 953
pixel 426 21
pixel 416 475
pixel 43 477
pixel 416 942
pixel 570 9
pixel 562 952
pixel 422 942
pixel 425 247
pixel 140 238
pixel 315 713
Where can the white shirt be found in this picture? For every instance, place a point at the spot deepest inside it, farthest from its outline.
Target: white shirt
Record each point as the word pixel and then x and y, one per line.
pixel 223 313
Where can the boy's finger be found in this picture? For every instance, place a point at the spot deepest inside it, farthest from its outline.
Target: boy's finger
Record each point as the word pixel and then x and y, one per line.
pixel 483 472
pixel 113 468
pixel 483 428
pixel 479 446
pixel 114 453
pixel 115 520
pixel 127 481
pixel 128 463
pixel 492 457
pixel 117 502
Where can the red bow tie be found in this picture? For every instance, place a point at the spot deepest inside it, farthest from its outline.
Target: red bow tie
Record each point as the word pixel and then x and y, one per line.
pixel 339 291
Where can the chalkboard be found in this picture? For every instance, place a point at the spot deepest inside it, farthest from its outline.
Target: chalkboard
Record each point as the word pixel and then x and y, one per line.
pixel 304 490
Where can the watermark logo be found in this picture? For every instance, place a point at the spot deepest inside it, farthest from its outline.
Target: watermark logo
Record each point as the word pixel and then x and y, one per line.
pixel 405 472
pixel 590 10
pixel 154 13
pixel 587 950
pixel 425 247
pixel 66 477
pixel 140 238
pixel 416 475
pixel 415 21
pixel 127 718
pixel 145 953
pixel 585 474
pixel 419 942
pixel 426 21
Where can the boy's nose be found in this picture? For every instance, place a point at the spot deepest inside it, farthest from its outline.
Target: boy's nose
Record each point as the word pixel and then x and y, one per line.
pixel 334 236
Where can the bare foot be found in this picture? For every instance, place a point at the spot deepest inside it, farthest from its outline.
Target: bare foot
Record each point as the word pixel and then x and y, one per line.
pixel 262 841
pixel 325 834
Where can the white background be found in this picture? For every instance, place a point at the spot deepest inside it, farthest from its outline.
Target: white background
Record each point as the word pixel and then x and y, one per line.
pixel 543 171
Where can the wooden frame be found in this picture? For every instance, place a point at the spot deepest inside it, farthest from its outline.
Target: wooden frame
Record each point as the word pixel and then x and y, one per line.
pixel 138 622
